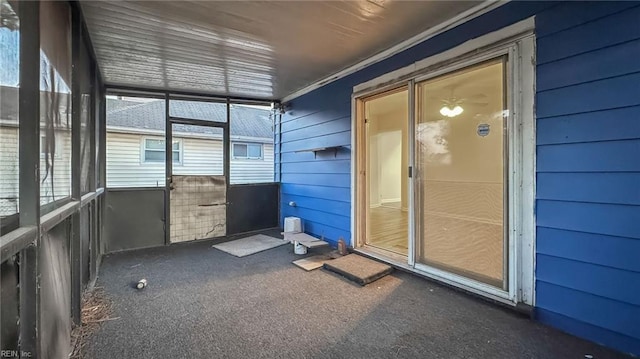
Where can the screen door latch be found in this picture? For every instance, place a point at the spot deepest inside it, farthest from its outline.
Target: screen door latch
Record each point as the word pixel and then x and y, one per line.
pixel 410 171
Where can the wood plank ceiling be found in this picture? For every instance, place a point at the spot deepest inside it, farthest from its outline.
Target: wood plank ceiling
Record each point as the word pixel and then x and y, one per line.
pixel 255 49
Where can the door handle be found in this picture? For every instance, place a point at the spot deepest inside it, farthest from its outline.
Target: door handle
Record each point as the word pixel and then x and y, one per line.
pixel 213 204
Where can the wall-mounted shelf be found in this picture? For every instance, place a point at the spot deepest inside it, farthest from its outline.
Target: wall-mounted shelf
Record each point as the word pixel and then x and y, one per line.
pixel 322 149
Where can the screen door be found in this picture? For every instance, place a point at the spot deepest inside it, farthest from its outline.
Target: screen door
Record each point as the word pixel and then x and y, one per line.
pixel 197 185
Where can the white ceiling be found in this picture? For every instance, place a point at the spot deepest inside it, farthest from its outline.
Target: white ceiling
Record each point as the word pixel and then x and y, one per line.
pixel 262 50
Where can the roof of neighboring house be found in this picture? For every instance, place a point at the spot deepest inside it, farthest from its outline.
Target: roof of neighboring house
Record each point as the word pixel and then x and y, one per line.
pixel 246 121
pixel 150 115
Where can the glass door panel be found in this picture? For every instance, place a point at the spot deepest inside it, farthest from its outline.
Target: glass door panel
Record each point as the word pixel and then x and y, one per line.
pixel 461 159
pixel 386 140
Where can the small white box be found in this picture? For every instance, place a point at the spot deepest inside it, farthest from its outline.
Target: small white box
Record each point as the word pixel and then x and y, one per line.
pixel 292 224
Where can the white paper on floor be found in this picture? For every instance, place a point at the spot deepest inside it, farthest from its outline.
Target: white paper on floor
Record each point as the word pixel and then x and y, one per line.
pixel 249 245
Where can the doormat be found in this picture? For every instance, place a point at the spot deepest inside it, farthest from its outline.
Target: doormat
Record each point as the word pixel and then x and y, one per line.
pixel 249 245
pixel 358 269
pixel 313 262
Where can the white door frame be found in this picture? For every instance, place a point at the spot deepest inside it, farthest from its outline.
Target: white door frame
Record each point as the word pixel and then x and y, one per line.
pixel 517 41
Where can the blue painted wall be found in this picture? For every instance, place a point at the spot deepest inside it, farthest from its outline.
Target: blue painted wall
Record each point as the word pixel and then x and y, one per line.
pixel 588 184
pixel 588 160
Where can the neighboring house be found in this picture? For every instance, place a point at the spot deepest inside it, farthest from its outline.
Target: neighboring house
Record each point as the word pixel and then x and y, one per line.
pixel 56 180
pixel 135 142
pixel 135 147
pixel 8 150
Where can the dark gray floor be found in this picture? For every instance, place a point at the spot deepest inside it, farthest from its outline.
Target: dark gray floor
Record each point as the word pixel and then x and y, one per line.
pixel 203 303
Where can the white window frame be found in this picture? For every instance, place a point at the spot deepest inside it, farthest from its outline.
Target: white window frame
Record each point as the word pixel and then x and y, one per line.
pixel 233 146
pixel 518 42
pixel 143 151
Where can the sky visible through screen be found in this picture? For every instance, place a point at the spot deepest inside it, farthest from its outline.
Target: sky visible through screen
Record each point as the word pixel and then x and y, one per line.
pixel 9 57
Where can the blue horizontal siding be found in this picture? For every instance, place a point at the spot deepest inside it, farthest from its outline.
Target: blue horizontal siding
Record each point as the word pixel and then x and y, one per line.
pixel 331 140
pixel 327 179
pixel 604 94
pixel 596 310
pixel 332 193
pixel 336 112
pixel 609 156
pixel 588 197
pixel 616 124
pixel 342 124
pixel 602 336
pixel 337 221
pixel 610 251
pixel 604 32
pixel 598 218
pixel 590 278
pixel 327 166
pixel 568 15
pixel 604 63
pixel 325 205
pixel 598 187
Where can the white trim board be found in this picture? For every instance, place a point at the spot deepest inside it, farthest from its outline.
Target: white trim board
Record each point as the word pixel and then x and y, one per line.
pixel 447 25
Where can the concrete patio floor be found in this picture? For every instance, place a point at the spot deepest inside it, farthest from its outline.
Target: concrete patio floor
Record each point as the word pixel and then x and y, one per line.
pixel 203 303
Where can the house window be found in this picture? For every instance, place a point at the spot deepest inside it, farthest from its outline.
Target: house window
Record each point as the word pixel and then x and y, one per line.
pixel 44 147
pixel 153 151
pixel 247 151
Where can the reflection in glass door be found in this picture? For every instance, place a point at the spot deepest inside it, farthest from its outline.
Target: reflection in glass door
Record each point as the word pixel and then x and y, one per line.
pixel 387 192
pixel 460 154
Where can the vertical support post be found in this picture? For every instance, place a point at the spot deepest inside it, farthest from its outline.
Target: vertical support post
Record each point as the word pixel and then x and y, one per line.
pixel 29 170
pixel 76 98
pixel 93 255
pixel 102 155
pixel 102 158
pixel 226 144
pixel 168 171
pixel 92 128
pixel 277 129
pixel 93 184
pixel 226 150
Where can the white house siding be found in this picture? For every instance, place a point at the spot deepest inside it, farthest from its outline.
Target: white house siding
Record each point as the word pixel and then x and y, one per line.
pixel 253 171
pixel 8 170
pixel 124 163
pixel 9 187
pixel 199 157
pixel 61 171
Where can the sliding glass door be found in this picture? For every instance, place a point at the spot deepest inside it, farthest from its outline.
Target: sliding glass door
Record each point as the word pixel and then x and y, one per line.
pixel 461 187
pixel 466 162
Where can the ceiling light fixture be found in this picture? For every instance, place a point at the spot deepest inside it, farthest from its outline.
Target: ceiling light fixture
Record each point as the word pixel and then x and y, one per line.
pixel 451 112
